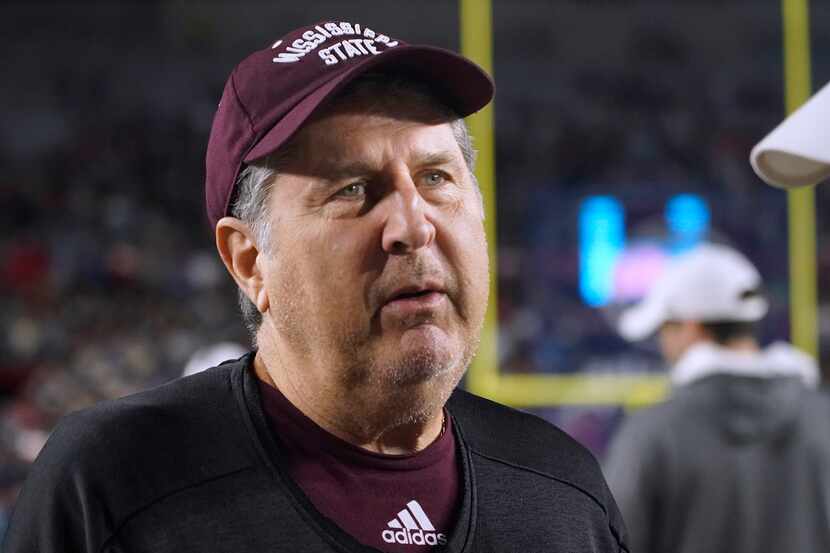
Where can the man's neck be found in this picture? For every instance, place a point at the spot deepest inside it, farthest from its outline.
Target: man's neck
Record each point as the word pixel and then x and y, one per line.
pixel 366 428
pixel 743 344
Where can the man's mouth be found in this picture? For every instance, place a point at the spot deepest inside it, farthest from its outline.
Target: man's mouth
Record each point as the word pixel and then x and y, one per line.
pixel 415 299
pixel 415 294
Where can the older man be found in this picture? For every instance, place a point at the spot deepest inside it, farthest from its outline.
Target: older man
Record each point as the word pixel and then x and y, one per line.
pixel 340 187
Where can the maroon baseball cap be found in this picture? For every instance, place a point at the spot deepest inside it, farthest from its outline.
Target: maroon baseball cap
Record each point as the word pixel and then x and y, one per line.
pixel 273 91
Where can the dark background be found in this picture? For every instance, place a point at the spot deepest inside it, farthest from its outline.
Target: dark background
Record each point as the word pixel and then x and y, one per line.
pixel 109 277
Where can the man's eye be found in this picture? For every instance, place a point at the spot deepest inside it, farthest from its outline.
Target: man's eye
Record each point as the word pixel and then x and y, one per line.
pixel 434 178
pixel 354 190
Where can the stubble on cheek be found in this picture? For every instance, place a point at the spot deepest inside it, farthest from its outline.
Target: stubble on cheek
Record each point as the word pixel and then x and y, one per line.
pixel 314 322
pixel 288 304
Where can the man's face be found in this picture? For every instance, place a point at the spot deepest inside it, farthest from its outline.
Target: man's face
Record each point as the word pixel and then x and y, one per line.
pixel 378 271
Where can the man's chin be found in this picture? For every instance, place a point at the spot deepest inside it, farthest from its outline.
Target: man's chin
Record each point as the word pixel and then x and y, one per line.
pixel 415 367
pixel 424 354
pixel 418 382
pixel 419 373
pixel 424 336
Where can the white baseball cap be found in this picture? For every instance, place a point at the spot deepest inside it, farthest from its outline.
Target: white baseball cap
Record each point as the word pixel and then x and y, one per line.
pixel 797 152
pixel 711 283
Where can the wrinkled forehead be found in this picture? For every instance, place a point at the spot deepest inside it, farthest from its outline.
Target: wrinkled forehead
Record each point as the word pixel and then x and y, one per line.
pixel 362 127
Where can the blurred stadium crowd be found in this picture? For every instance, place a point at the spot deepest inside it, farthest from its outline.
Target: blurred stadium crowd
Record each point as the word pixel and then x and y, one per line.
pixel 109 278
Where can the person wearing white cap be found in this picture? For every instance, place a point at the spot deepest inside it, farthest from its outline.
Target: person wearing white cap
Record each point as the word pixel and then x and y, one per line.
pixel 797 152
pixel 738 458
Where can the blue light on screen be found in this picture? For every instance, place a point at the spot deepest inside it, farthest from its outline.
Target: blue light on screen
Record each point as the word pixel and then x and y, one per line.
pixel 687 217
pixel 601 239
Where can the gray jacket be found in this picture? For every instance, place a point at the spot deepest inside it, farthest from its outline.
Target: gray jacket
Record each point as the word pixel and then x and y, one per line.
pixel 737 460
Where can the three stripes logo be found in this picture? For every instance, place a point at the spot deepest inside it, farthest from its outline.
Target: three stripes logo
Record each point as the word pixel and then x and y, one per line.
pixel 412 526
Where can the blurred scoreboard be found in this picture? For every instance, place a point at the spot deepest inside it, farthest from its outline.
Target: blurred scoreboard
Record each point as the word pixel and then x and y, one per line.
pixel 613 267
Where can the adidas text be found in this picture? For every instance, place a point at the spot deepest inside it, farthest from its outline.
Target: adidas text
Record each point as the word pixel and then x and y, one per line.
pixel 415 537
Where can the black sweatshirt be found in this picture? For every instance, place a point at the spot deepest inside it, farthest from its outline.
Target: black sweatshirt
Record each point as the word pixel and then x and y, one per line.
pixel 192 467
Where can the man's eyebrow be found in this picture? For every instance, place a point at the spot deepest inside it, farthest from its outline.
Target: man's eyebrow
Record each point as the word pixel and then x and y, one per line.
pixel 435 158
pixel 338 170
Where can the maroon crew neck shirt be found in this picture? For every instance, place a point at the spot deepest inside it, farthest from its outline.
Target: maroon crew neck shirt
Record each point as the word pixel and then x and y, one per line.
pixel 395 503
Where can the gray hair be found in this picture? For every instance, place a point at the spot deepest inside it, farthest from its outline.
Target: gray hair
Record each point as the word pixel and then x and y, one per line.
pixel 253 189
pixel 254 184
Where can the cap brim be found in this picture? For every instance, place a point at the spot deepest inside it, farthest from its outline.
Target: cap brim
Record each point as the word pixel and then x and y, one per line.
pixel 462 84
pixel 641 321
pixel 797 152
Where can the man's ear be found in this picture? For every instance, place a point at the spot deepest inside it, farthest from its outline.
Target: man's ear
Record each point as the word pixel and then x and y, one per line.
pixel 240 254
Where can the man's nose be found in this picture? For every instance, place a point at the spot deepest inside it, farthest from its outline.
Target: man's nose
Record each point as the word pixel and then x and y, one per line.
pixel 407 227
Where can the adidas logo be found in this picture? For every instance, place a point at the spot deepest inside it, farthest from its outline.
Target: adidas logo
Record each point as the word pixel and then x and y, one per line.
pixel 412 526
